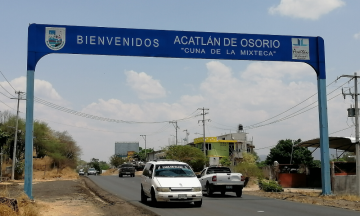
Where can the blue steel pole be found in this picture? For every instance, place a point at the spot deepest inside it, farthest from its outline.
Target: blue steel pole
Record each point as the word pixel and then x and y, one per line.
pixel 323 118
pixel 324 137
pixel 29 133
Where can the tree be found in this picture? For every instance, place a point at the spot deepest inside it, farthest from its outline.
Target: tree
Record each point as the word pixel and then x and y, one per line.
pixel 94 163
pixel 103 165
pixel 317 163
pixel 60 146
pixel 141 154
pixel 42 133
pixel 285 150
pixel 3 138
pixel 116 161
pixel 225 161
pixel 257 158
pixel 190 155
pixel 249 158
pixel 248 166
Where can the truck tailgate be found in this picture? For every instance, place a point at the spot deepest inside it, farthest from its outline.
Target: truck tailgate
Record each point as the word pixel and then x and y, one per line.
pixel 230 178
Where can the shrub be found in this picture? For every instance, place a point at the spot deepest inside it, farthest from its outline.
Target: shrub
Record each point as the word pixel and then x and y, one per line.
pixel 248 170
pixel 269 186
pixel 225 161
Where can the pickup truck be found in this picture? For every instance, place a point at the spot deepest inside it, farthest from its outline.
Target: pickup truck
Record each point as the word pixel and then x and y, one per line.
pixel 220 179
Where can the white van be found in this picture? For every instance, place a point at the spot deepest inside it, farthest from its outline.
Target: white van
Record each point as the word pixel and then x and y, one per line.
pixel 170 181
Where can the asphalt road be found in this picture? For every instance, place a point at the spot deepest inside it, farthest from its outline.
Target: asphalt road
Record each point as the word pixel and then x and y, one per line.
pixel 128 189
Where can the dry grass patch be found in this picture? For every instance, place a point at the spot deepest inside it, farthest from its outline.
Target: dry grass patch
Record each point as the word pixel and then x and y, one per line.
pixel 110 172
pixel 66 173
pixel 42 163
pixel 25 206
pixel 332 197
pixel 340 201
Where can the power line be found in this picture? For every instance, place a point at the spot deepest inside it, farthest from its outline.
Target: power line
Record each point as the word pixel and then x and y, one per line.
pixel 4 95
pixel 329 134
pixel 254 125
pixel 7 91
pixel 292 115
pixel 7 105
pixel 342 129
pixel 64 109
pixel 7 80
pixel 286 117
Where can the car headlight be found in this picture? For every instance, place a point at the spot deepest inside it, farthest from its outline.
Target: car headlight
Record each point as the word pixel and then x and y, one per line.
pixel 196 189
pixel 163 189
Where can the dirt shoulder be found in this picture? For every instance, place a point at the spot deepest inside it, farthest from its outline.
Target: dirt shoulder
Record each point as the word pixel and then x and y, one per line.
pixel 315 198
pixel 74 197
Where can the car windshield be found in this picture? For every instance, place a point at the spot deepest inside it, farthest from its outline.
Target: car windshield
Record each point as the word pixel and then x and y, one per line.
pixel 127 165
pixel 173 170
pixel 91 169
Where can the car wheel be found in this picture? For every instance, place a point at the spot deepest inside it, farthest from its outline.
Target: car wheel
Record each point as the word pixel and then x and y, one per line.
pixel 208 190
pixel 198 203
pixel 222 193
pixel 239 193
pixel 120 175
pixel 153 198
pixel 143 196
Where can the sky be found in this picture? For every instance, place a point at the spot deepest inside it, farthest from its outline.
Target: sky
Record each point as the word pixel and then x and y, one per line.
pixel 278 98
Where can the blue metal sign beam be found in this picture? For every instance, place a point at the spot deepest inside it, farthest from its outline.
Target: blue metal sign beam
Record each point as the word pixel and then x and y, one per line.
pixel 49 39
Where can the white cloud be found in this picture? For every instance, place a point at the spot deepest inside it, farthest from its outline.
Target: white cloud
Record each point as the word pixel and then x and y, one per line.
pixel 42 89
pixel 357 35
pixel 144 85
pixel 306 9
pixel 259 91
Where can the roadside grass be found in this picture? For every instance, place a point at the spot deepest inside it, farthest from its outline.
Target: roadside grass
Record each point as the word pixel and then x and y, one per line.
pixel 66 173
pixel 109 172
pixel 42 163
pixel 346 197
pixel 25 205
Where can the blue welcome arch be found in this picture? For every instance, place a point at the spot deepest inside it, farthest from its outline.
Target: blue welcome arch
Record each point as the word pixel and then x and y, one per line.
pixel 48 39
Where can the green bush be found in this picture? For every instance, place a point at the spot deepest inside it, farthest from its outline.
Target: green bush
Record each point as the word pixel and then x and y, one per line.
pixel 225 161
pixel 269 186
pixel 248 170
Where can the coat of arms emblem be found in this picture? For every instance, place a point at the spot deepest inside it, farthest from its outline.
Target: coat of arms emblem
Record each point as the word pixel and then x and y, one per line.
pixel 55 38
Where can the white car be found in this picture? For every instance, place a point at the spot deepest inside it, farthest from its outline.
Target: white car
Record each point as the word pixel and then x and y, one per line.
pixel 81 172
pixel 170 181
pixel 220 179
pixel 91 171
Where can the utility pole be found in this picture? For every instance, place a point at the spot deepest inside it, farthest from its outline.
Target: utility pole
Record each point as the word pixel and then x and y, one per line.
pixel 292 150
pixel 187 136
pixel 203 121
pixel 357 152
pixel 144 137
pixel 16 131
pixel 176 127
